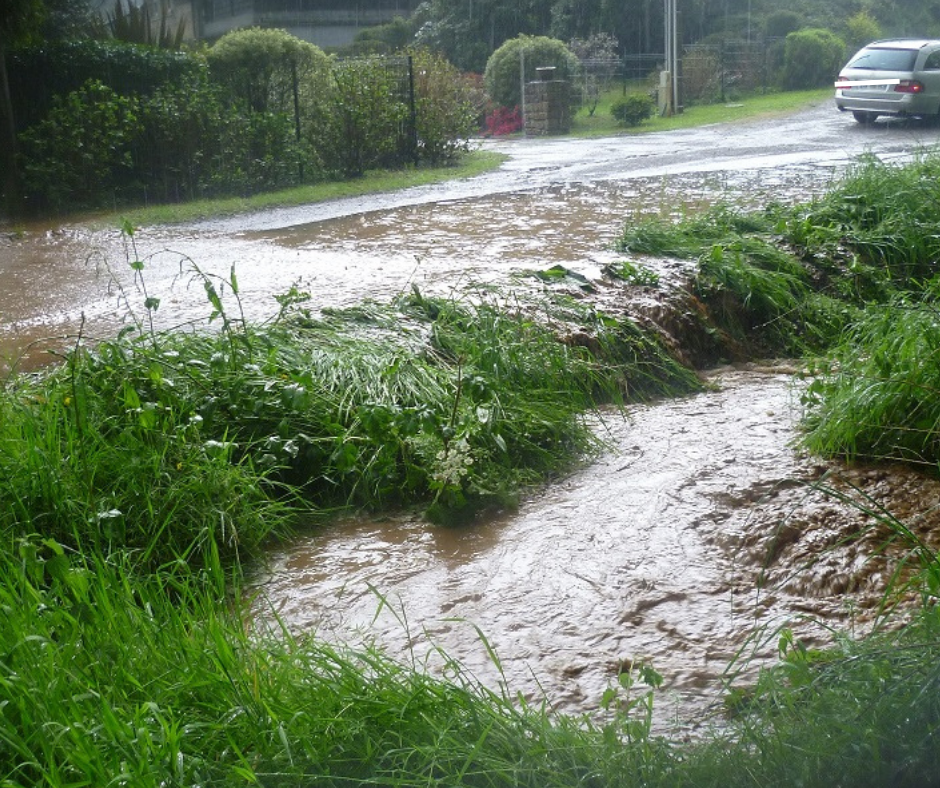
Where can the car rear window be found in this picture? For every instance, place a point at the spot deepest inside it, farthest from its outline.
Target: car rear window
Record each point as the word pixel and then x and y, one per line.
pixel 884 59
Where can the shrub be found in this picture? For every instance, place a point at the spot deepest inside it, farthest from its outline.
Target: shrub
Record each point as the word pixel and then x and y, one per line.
pixel 780 24
pixel 502 74
pixel 812 58
pixel 38 74
pixel 633 109
pixel 861 28
pixel 263 68
pixel 82 149
pixel 445 115
pixel 283 84
pixel 502 121
pixel 367 124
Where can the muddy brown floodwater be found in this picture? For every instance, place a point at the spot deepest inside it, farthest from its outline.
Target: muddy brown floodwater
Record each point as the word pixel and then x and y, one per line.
pixel 688 542
pixel 687 545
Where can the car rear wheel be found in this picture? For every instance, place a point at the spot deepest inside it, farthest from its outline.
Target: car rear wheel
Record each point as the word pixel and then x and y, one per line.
pixel 865 117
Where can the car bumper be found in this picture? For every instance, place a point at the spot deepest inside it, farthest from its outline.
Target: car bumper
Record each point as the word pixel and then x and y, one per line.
pixel 885 103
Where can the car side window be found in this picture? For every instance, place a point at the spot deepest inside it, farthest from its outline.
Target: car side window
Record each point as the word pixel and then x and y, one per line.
pixel 932 63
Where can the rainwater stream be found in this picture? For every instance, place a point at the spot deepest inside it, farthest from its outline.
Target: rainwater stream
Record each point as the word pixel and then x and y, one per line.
pixel 684 544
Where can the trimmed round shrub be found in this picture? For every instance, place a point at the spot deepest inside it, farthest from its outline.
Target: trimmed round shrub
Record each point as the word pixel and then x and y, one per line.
pixel 811 59
pixel 633 109
pixel 259 66
pixel 502 75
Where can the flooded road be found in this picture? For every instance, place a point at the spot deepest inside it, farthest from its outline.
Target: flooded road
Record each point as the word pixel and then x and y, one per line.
pixel 674 547
pixel 554 201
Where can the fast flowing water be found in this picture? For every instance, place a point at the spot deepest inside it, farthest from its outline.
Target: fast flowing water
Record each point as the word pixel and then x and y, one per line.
pixel 684 545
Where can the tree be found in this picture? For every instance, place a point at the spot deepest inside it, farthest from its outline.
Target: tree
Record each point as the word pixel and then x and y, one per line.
pixel 19 19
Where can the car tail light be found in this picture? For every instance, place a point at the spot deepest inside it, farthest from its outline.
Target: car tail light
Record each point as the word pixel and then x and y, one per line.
pixel 909 86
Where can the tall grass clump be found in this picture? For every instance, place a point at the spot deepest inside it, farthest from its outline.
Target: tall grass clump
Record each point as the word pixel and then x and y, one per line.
pixel 164 444
pixel 878 396
pixel 91 459
pixel 755 289
pixel 108 677
pixel 862 714
pixel 876 228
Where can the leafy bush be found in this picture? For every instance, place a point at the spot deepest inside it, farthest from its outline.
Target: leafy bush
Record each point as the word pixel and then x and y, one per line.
pixel 82 149
pixel 264 110
pixel 860 28
pixel 445 115
pixel 263 69
pixel 502 75
pixel 367 124
pixel 502 121
pixel 633 109
pixel 812 58
pixel 781 23
pixel 38 74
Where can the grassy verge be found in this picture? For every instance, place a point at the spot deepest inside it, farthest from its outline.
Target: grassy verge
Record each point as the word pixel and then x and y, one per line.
pixel 750 107
pixel 851 277
pixel 474 163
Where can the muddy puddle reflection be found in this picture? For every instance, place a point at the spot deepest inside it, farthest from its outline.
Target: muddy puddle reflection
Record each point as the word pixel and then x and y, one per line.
pixel 652 553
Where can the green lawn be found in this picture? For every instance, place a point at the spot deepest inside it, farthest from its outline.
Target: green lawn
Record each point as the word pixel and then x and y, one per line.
pixel 764 105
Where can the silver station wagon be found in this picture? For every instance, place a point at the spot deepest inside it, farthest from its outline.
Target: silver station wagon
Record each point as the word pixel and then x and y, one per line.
pixel 898 77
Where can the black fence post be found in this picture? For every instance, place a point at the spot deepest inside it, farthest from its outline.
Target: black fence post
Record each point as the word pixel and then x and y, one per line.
pixel 294 84
pixel 413 108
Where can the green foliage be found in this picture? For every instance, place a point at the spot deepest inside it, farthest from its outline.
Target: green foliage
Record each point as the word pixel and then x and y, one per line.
pixel 502 75
pixel 633 273
pixel 781 23
pixel 446 115
pixel 395 36
pixel 263 110
pixel 82 148
pixel 812 58
pixel 262 68
pixel 875 230
pixel 878 396
pixel 368 116
pixel 853 272
pixel 155 682
pixel 633 109
pixel 860 29
pixel 55 69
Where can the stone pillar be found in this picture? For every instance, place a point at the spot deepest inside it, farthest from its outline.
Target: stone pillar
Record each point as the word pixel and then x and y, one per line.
pixel 547 104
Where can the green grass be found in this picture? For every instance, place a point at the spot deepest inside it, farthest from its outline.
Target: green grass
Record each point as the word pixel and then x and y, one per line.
pixel 107 677
pixel 210 440
pixel 473 163
pixel 750 107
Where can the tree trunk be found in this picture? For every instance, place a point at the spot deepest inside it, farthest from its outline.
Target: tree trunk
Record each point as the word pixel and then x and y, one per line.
pixel 10 191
